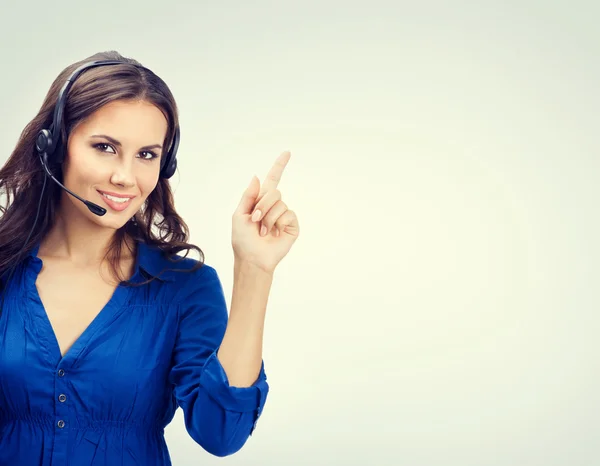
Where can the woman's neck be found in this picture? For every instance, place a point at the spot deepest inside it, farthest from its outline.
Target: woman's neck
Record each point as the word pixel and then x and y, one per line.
pixel 79 241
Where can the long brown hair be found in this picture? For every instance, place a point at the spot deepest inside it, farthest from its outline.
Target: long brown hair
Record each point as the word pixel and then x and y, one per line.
pixel 22 177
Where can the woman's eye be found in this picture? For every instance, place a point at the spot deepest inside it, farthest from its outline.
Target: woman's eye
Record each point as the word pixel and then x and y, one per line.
pixel 107 148
pixel 147 155
pixel 102 147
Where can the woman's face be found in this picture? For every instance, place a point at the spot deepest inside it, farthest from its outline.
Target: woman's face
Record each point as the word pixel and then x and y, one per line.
pixel 113 160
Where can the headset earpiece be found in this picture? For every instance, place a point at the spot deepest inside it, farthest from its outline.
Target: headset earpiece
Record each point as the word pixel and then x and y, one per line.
pixel 44 142
pixel 169 169
pixel 170 163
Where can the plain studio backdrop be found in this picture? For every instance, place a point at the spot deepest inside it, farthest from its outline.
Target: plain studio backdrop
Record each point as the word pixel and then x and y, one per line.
pixel 441 306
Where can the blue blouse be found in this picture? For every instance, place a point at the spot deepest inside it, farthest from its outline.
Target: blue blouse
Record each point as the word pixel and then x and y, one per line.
pixel 149 351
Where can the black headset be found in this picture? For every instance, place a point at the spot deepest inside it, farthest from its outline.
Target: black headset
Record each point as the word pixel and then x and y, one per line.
pixel 48 139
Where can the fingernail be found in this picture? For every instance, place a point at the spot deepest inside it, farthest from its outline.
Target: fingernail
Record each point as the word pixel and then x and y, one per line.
pixel 277 232
pixel 256 215
pixel 263 230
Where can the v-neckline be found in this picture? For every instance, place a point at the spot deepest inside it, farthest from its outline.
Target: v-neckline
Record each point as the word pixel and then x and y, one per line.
pixel 104 317
pixel 43 326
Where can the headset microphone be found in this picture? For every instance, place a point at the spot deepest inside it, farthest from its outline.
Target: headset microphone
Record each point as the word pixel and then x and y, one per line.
pixel 94 208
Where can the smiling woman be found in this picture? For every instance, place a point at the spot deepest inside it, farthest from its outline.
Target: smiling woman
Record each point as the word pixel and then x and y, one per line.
pixel 105 330
pixel 115 148
pixel 109 122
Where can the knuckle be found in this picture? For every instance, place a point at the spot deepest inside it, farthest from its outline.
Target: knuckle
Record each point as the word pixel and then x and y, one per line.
pixel 274 195
pixel 269 199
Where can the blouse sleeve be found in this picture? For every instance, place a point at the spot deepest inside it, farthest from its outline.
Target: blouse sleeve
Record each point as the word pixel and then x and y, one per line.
pixel 219 417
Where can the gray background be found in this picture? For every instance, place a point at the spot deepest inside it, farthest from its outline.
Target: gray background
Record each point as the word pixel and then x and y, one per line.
pixel 441 304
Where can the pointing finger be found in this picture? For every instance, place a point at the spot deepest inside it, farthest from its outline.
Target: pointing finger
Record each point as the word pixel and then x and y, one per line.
pixel 274 175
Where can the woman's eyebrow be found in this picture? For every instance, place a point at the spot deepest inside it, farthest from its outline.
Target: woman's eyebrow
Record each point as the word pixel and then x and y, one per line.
pixel 117 143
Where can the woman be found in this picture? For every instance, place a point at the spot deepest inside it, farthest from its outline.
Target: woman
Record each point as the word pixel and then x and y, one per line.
pixel 104 328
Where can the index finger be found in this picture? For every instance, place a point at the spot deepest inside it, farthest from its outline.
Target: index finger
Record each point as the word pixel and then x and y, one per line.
pixel 274 175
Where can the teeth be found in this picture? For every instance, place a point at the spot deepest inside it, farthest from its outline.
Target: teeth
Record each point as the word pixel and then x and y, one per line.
pixel 116 199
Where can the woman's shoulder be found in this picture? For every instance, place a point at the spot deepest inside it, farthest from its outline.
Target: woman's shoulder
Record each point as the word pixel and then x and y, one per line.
pixel 178 268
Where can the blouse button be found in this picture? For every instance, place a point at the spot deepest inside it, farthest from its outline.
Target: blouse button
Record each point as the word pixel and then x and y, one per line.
pixel 61 424
pixel 62 398
pixel 61 373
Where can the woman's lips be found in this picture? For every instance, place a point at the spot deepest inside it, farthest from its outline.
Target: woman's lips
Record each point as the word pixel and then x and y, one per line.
pixel 119 206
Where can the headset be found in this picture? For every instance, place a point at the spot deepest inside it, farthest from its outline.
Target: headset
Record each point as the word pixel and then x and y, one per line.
pixel 51 149
pixel 48 142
